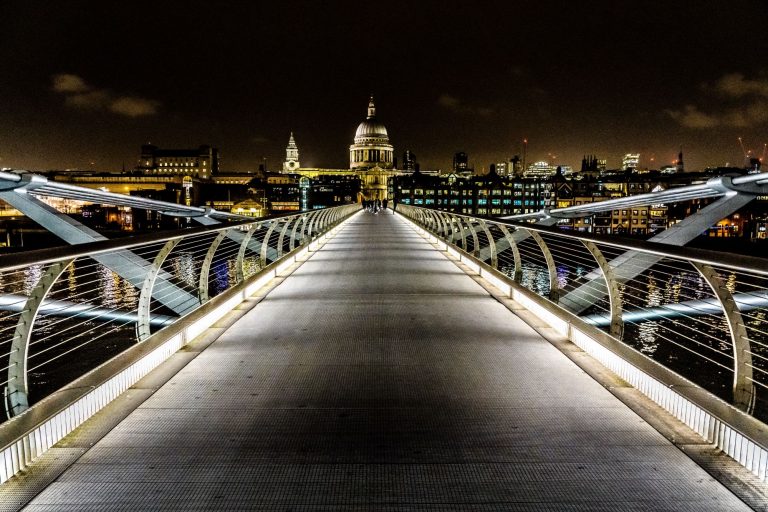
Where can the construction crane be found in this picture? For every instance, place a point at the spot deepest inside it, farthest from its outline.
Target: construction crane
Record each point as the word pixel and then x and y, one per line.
pixel 743 149
pixel 750 162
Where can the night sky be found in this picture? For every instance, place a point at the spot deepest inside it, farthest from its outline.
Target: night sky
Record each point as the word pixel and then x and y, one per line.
pixel 84 84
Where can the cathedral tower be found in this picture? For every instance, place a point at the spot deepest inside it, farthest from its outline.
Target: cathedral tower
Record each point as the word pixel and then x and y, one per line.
pixel 291 156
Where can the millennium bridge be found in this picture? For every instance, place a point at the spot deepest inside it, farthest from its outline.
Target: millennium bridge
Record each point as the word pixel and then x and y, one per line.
pixel 341 359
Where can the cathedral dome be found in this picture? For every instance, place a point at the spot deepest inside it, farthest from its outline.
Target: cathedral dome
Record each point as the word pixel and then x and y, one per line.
pixel 370 128
pixel 371 148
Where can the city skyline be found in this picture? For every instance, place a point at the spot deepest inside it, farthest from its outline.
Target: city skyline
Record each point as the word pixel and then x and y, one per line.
pixel 89 83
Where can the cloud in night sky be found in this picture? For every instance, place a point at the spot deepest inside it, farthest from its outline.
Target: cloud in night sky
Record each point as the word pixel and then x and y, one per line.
pixel 66 82
pixel 751 108
pixel 132 106
pixel 457 106
pixel 735 85
pixel 692 117
pixel 78 94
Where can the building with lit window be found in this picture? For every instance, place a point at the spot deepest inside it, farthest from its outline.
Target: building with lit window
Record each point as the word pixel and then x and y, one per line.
pixel 461 164
pixel 409 161
pixel 540 170
pixel 202 162
pixel 630 161
pixel 371 165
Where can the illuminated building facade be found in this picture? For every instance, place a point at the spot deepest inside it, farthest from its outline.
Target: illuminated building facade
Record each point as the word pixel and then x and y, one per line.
pixel 371 148
pixel 371 164
pixel 202 162
pixel 540 170
pixel 630 161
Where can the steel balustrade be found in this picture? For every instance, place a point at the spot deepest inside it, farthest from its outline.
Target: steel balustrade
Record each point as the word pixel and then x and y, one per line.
pixel 55 303
pixel 699 313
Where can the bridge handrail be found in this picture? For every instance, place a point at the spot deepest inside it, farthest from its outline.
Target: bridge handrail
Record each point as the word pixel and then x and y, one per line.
pixel 714 306
pixel 18 260
pixel 676 329
pixel 136 285
pixel 136 301
pixel 734 261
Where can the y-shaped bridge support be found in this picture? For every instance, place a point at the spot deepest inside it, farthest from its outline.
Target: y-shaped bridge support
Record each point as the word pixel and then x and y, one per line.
pixel 631 263
pixel 129 266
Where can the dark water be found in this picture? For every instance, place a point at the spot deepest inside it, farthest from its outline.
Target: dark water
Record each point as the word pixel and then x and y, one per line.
pixel 696 347
pixel 63 348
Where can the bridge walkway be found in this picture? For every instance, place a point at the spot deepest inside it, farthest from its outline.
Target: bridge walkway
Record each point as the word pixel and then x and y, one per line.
pixel 379 376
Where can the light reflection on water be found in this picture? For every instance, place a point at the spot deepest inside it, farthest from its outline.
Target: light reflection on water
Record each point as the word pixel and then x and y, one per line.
pixel 686 344
pixel 67 347
pixel 186 269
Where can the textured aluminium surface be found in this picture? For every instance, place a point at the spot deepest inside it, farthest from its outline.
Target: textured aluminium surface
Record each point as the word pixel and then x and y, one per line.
pixel 379 376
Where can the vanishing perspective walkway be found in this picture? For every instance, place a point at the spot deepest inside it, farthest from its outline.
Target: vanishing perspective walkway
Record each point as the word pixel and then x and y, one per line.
pixel 379 376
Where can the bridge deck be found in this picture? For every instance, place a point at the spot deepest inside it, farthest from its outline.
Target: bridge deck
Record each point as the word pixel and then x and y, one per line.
pixel 380 377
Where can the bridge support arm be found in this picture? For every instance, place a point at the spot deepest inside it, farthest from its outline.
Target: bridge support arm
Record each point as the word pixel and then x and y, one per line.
pixel 631 264
pixel 126 264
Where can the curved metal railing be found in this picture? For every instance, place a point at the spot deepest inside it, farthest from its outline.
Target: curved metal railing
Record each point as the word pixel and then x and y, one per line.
pixel 65 311
pixel 702 314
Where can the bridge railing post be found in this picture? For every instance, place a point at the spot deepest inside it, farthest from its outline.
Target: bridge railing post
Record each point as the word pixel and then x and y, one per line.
pixel 298 222
pixel 432 221
pixel 517 272
pixel 614 294
pixel 743 388
pixel 281 238
pixel 462 231
pixel 491 244
pixel 18 387
pixel 554 286
pixel 451 219
pixel 265 243
pixel 240 263
pixel 320 222
pixel 475 240
pixel 443 224
pixel 143 330
pixel 205 269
